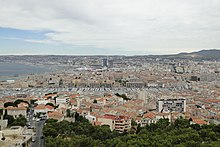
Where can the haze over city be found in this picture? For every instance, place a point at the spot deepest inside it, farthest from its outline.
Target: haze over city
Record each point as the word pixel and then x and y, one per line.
pixel 123 27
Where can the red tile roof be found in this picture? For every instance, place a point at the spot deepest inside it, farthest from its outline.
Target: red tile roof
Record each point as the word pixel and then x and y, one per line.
pixel 199 121
pixel 40 107
pixel 150 115
pixel 49 107
pixel 55 115
pixel 74 96
pixel 16 108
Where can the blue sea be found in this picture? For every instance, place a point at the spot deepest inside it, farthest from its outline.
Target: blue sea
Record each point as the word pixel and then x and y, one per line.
pixel 14 70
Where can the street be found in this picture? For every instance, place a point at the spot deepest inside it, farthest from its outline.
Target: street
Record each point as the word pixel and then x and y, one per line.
pixel 39 141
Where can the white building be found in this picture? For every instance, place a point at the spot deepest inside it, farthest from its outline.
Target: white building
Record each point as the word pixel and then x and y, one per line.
pixel 91 118
pixel 171 105
pixel 41 108
pixel 62 100
pixel 44 102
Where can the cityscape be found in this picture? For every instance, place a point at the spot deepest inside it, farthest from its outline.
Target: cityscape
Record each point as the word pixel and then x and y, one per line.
pixel 116 73
pixel 117 91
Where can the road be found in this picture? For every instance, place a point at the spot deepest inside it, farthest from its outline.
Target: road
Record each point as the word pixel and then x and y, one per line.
pixel 39 141
pixel 38 125
pixel 31 115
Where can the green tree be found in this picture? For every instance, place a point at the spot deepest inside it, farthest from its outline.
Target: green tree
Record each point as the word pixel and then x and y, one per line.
pixel 33 101
pixel 95 101
pixel 217 129
pixel 51 121
pixel 68 114
pixel 102 133
pixel 1 112
pixel 50 104
pixel 163 123
pixel 50 131
pixel 83 133
pixel 18 101
pixel 133 123
pixel 10 119
pixel 196 126
pixel 117 94
pixel 9 104
pixel 19 121
pixel 181 123
pixel 138 128
pixel 64 128
pixel 76 116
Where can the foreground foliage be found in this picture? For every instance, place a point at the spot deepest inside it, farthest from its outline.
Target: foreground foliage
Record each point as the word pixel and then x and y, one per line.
pixel 19 121
pixel 82 134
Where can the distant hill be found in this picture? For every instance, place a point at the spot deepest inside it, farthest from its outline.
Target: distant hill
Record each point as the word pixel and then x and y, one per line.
pixel 213 53
pixel 199 55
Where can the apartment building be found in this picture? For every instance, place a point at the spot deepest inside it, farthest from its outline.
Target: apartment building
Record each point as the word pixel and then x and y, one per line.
pixel 148 119
pixel 16 111
pixel 62 100
pixel 122 124
pixel 118 123
pixel 171 105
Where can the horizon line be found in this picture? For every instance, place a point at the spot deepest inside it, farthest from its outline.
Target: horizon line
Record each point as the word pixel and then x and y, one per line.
pixel 102 54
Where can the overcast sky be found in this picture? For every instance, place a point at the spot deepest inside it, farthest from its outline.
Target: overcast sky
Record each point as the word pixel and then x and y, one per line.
pixel 128 27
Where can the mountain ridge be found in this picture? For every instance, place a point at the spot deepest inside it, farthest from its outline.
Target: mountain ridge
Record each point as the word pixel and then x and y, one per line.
pixel 206 54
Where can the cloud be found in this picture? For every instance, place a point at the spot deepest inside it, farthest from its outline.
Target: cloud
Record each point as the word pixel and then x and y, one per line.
pixel 10 38
pixel 39 41
pixel 154 26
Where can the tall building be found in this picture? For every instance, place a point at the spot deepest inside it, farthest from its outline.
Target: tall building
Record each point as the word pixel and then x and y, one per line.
pixel 171 105
pixel 105 62
pixel 142 95
pixel 110 63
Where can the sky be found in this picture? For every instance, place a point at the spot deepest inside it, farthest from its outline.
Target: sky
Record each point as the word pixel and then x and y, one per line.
pixel 108 27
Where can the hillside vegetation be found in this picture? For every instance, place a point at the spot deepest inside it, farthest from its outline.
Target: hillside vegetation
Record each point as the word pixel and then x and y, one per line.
pixel 83 134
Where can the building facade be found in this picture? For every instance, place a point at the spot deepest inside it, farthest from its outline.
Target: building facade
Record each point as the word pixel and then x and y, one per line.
pixel 62 100
pixel 171 105
pixel 16 111
pixel 118 123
